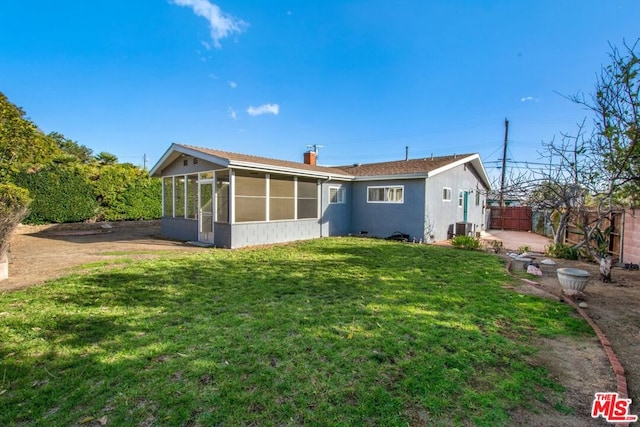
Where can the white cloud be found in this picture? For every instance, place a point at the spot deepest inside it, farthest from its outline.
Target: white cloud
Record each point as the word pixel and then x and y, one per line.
pixel 221 24
pixel 529 99
pixel 264 109
pixel 233 114
pixel 233 84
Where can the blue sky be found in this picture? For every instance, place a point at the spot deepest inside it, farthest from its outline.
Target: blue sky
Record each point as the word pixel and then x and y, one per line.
pixel 363 79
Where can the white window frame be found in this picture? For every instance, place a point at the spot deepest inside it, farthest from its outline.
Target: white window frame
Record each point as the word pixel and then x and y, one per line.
pixel 387 190
pixel 460 198
pixel 340 195
pixel 446 191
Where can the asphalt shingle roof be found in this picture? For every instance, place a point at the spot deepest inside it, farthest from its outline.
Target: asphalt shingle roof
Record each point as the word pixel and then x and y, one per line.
pixel 399 167
pixel 402 166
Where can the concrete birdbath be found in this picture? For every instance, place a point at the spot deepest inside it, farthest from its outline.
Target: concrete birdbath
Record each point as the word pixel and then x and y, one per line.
pixel 572 280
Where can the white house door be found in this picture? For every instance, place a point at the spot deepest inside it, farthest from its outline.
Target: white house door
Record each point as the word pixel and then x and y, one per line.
pixel 205 217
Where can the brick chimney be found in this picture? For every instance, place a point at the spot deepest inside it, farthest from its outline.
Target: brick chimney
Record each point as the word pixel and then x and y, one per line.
pixel 310 158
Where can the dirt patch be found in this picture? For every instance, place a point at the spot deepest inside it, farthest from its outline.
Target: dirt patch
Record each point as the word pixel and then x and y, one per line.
pixel 41 253
pixel 582 366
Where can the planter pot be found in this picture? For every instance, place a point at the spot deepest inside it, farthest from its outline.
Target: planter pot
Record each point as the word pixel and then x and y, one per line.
pixel 572 280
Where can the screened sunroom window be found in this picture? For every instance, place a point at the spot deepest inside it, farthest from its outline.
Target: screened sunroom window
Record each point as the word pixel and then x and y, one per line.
pixel 281 197
pixel 179 196
pixel 307 198
pixel 250 196
pixel 167 196
pixel 192 196
pixel 222 197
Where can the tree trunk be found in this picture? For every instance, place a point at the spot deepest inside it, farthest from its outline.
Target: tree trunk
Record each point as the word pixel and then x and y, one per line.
pixel 4 265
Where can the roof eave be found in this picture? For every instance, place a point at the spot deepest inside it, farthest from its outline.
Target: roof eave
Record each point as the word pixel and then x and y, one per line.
pixel 237 164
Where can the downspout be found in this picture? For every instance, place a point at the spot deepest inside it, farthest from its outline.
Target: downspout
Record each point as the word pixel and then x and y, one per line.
pixel 321 202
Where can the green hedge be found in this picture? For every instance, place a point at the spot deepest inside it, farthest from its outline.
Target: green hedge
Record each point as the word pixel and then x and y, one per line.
pixel 128 193
pixel 75 193
pixel 60 194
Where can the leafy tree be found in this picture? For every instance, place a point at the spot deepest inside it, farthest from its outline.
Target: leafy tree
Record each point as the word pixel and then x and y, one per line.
pixel 22 144
pixel 79 152
pixel 105 158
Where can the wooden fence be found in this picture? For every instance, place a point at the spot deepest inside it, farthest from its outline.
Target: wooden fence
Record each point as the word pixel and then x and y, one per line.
pixel 575 236
pixel 513 218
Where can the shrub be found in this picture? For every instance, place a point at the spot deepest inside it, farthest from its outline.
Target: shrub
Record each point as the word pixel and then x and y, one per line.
pixel 14 205
pixel 60 194
pixel 126 192
pixel 524 248
pixel 465 242
pixel 560 250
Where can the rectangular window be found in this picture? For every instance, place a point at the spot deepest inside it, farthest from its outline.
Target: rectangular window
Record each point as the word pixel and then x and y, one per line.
pixel 477 198
pixel 179 196
pixel 446 194
pixel 250 196
pixel 281 197
pixel 460 198
pixel 307 198
pixel 192 196
pixel 336 195
pixel 167 193
pixel 385 194
pixel 222 197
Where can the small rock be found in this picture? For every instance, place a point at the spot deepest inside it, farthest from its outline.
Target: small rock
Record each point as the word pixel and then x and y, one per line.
pixel 583 305
pixel 106 226
pixel 548 262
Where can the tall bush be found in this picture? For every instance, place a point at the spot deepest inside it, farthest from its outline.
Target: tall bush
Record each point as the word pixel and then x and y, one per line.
pixel 61 193
pixel 126 192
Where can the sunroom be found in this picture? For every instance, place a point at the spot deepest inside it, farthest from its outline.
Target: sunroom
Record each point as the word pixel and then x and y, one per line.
pixel 230 200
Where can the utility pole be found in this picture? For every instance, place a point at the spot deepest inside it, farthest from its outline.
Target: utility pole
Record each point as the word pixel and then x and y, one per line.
pixel 504 161
pixel 144 161
pixel 504 171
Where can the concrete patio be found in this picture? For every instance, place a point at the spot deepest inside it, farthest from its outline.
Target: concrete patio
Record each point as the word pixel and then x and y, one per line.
pixel 512 240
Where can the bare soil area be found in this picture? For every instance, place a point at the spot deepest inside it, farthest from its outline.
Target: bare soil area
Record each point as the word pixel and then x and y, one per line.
pixel 39 254
pixel 582 366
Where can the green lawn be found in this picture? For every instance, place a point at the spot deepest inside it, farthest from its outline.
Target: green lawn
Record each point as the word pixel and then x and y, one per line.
pixel 327 332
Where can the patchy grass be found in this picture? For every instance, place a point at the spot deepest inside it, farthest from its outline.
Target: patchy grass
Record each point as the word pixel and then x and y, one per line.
pixel 327 332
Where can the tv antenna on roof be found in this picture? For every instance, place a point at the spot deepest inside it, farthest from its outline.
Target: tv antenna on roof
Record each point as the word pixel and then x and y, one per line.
pixel 315 147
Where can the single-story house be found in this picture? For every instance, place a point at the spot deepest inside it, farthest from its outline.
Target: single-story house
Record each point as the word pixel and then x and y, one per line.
pixel 234 200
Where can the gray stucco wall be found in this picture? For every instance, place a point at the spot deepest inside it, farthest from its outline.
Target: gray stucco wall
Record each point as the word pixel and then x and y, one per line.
pixel 179 228
pixel 336 217
pixel 262 233
pixel 383 219
pixel 441 213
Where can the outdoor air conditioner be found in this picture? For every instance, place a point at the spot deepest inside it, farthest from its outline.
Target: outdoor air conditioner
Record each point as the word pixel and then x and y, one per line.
pixel 464 228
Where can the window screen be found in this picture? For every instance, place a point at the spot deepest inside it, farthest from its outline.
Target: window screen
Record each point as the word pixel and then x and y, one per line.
pixel 307 198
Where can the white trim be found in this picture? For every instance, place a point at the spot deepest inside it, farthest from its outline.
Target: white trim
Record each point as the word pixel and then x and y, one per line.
pixel 461 198
pixel 450 194
pixel 339 191
pixel 385 187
